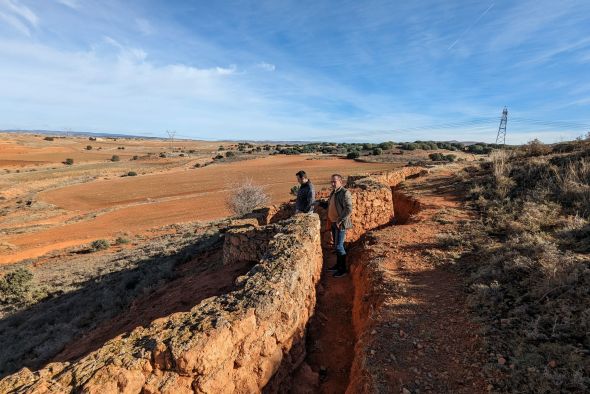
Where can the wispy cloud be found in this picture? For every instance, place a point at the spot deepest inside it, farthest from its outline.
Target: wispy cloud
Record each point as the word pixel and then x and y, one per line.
pixel 74 4
pixel 266 66
pixel 144 26
pixel 359 70
pixel 18 16
pixel 471 26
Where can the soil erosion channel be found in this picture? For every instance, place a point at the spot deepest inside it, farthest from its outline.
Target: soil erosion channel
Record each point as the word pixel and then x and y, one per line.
pixel 412 332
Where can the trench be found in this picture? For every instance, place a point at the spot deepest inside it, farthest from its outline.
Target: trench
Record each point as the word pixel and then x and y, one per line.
pixel 331 338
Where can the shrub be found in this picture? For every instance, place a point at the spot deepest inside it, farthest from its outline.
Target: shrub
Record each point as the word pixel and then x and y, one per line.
pixel 377 151
pixel 536 148
pixel 450 157
pixel 353 155
pixel 115 158
pixel 386 145
pixel 15 286
pixel 135 157
pixel 162 154
pixel 48 138
pixel 99 244
pixel 88 147
pixel 436 157
pixel 229 154
pixel 245 197
pixel 198 165
pixel 409 146
pixel 122 241
pixel 132 173
pixel 69 162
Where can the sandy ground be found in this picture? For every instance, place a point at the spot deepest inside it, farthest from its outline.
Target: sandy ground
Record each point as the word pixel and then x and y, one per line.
pixel 66 206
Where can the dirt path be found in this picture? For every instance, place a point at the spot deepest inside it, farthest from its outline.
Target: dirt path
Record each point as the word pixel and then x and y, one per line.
pixel 420 336
pixel 330 343
pixel 423 338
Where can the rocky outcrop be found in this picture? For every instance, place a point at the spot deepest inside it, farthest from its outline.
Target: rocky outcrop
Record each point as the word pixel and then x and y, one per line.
pixel 233 343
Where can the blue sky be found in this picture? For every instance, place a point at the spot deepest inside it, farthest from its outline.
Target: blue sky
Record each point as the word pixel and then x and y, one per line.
pixel 298 70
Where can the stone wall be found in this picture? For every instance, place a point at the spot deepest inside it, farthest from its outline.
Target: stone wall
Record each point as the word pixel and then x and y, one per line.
pixel 373 202
pixel 233 343
pixel 247 243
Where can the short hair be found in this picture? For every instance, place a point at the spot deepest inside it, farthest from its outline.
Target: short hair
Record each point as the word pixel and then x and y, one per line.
pixel 337 176
pixel 301 174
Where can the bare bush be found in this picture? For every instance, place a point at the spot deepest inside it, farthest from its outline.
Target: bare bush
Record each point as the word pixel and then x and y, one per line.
pixel 244 197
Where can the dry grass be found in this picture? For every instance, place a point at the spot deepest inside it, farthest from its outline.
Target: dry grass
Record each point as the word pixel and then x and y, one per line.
pixel 528 267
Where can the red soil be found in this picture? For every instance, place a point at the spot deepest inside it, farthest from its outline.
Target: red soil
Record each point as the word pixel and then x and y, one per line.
pixel 136 204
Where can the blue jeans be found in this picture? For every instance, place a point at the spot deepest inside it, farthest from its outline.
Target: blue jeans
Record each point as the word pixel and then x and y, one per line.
pixel 339 235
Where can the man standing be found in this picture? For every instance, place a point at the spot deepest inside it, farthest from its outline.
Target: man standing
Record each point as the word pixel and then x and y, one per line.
pixel 305 195
pixel 339 214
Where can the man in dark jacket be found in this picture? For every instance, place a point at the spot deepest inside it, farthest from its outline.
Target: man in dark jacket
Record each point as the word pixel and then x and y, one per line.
pixel 305 195
pixel 339 207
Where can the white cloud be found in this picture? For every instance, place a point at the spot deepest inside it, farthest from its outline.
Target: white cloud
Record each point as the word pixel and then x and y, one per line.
pixel 74 4
pixel 15 23
pixel 266 66
pixel 18 16
pixel 144 26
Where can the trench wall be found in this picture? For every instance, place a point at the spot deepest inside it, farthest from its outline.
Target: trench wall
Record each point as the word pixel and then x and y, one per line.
pixel 241 342
pixel 233 343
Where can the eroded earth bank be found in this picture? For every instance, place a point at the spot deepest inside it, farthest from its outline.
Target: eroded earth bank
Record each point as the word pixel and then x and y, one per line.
pixel 397 323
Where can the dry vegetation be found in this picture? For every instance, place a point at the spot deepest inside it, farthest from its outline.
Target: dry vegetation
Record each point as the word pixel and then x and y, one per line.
pixel 528 267
pixel 246 196
pixel 45 307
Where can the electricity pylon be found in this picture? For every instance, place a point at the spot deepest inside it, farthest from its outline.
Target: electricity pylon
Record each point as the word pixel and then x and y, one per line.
pixel 501 137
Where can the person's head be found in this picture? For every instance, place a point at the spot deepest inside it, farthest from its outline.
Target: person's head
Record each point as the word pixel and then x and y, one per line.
pixel 337 181
pixel 301 177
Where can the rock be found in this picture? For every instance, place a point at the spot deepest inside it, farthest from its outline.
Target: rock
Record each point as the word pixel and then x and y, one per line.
pixel 552 364
pixel 501 360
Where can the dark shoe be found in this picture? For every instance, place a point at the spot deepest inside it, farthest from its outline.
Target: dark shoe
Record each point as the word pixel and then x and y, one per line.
pixel 333 268
pixel 339 274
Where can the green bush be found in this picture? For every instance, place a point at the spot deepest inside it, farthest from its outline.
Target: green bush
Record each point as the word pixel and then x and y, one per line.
pixel 377 151
pixel 15 286
pixel 115 158
pixel 386 145
pixel 132 173
pixel 353 155
pixel 48 138
pixel 88 147
pixel 100 244
pixel 135 157
pixel 69 162
pixel 436 156
pixel 229 154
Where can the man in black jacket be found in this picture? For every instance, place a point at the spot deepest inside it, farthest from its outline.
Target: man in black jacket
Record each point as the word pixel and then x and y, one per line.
pixel 305 195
